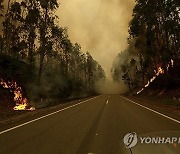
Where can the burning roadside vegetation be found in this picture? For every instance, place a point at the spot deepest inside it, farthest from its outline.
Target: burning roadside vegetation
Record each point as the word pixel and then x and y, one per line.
pixel 159 91
pixel 21 102
pixel 159 71
pixel 159 79
pixel 21 96
pixel 14 76
pixel 164 85
pixel 22 91
pixel 39 64
pixel 150 63
pixel 161 82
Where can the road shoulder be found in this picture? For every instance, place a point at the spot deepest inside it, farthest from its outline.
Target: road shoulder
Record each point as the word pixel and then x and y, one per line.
pixel 25 116
pixel 170 109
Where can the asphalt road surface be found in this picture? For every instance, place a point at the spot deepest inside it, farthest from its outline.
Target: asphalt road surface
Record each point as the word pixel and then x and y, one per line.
pixel 95 126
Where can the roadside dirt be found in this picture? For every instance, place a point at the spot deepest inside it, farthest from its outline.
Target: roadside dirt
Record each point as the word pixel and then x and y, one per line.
pixel 165 105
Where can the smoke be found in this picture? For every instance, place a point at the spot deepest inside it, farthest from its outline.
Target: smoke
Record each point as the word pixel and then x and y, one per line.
pixel 101 27
pixel 124 57
pixel 109 87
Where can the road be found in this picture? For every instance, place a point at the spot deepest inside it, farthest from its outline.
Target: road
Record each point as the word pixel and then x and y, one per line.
pixel 95 126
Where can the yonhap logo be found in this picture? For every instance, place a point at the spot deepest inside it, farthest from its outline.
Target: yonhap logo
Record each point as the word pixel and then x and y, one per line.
pixel 130 140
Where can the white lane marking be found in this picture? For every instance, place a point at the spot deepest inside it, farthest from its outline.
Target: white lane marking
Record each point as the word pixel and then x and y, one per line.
pixel 107 102
pixel 7 130
pixel 153 110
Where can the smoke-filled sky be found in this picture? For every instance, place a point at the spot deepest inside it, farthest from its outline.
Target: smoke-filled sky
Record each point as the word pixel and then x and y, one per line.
pixel 100 26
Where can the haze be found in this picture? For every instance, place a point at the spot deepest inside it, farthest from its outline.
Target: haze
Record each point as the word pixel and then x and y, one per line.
pixel 100 26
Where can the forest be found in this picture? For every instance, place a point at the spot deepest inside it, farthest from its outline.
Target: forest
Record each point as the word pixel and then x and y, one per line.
pixel 38 61
pixel 152 58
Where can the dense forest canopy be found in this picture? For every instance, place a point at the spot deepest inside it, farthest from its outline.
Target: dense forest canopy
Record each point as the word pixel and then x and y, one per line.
pixel 59 68
pixel 153 45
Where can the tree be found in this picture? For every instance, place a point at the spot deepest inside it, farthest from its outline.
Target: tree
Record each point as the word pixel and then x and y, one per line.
pixel 1 8
pixel 60 69
pixel 1 15
pixel 11 30
pixel 45 26
pixel 30 25
pixel 154 28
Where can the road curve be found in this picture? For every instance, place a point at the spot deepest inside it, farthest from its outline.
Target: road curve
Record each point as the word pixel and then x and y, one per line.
pixel 96 126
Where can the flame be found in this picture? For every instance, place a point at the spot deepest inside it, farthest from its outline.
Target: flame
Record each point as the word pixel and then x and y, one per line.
pixel 157 73
pixel 170 64
pixel 21 102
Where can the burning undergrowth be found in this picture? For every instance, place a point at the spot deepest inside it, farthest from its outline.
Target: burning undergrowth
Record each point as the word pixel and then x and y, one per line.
pixel 157 72
pixel 20 88
pixel 14 77
pixel 20 101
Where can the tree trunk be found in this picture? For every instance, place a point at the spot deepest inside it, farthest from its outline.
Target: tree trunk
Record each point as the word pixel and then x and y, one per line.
pixel 43 46
pixel 40 68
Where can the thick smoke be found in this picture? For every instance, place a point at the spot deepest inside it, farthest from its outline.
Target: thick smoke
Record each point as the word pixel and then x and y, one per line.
pixel 100 26
pixel 109 87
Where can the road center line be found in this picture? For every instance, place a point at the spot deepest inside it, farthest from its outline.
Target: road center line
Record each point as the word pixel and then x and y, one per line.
pixel 152 110
pixel 7 130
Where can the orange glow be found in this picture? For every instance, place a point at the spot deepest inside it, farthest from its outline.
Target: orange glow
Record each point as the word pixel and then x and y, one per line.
pixel 158 72
pixel 170 64
pixel 21 102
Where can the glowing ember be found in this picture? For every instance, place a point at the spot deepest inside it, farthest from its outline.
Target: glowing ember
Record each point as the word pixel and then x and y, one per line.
pixel 21 102
pixel 172 62
pixel 160 71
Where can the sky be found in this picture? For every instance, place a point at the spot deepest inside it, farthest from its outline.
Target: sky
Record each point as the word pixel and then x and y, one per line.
pixel 99 26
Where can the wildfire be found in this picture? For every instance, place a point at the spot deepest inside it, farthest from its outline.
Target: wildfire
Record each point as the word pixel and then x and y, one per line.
pixel 21 102
pixel 157 73
pixel 170 64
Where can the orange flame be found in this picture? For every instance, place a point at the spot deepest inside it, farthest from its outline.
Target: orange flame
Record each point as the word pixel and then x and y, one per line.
pixel 158 72
pixel 21 102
